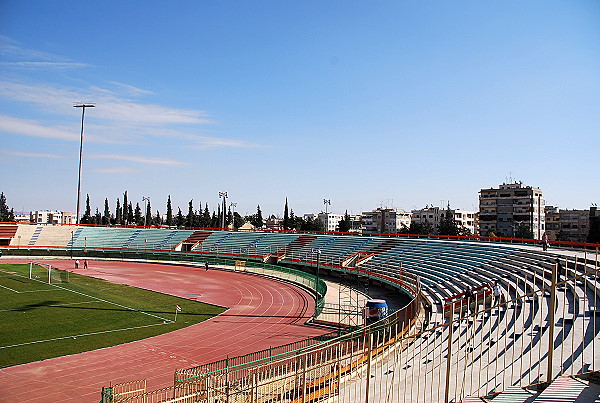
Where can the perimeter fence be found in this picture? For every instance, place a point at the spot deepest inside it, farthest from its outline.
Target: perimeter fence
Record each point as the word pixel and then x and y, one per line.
pixel 527 339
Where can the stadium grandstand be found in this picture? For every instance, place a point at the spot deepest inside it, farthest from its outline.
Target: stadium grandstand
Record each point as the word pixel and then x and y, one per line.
pixel 536 340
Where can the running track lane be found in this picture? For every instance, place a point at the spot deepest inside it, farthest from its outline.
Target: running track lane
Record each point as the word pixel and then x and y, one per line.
pixel 262 313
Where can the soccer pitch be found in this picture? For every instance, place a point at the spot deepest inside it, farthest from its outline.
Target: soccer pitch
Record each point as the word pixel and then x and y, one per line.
pixel 76 313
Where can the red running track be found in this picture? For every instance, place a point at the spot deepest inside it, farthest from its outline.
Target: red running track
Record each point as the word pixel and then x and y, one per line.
pixel 262 313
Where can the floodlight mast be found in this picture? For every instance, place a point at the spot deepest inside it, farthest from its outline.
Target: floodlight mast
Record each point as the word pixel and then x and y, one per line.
pixel 81 105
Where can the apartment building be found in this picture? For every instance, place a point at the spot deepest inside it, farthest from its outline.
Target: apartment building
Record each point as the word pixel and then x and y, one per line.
pixel 568 225
pixel 435 215
pixel 51 217
pixel 505 209
pixel 331 221
pixel 385 220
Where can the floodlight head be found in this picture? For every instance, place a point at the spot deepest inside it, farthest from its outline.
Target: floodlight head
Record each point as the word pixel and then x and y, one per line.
pixel 82 104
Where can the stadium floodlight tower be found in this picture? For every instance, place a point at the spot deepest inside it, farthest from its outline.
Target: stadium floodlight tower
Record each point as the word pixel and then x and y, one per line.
pixel 81 105
pixel 326 202
pixel 233 206
pixel 224 196
pixel 146 200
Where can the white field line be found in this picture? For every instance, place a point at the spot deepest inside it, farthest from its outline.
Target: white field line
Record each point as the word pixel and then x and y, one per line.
pixel 86 334
pixel 23 292
pixel 10 289
pixel 98 299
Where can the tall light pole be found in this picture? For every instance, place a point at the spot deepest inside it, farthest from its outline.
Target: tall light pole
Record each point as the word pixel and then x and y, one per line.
pixel 326 202
pixel 146 200
pixel 82 106
pixel 233 206
pixel 318 271
pixel 224 196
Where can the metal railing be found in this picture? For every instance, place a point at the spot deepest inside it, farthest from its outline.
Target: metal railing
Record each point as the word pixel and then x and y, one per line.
pixel 539 330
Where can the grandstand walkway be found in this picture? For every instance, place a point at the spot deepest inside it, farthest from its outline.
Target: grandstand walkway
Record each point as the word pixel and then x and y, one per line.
pixel 262 313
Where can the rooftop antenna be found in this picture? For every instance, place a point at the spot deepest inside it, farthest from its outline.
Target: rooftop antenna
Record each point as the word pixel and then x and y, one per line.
pixel 81 105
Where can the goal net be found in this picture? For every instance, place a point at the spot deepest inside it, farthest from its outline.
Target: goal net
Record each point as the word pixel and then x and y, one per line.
pixel 47 273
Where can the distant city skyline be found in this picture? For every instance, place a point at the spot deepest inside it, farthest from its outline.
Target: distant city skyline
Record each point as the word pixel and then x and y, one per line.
pixel 394 104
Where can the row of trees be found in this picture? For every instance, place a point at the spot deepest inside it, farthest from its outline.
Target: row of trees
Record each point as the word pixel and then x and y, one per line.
pixel 126 214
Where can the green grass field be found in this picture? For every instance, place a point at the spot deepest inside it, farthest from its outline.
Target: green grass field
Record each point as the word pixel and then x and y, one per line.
pixel 78 313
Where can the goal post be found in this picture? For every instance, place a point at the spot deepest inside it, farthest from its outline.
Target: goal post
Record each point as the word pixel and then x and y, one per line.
pixel 48 274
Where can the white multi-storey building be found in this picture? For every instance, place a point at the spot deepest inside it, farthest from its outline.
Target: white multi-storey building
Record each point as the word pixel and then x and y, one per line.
pixel 51 217
pixel 389 221
pixel 503 210
pixel 331 221
pixel 435 215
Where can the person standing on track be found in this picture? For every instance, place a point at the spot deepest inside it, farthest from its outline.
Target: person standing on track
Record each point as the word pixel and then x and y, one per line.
pixel 469 299
pixel 497 290
pixel 206 265
pixel 545 241
pixel 77 264
pixel 85 266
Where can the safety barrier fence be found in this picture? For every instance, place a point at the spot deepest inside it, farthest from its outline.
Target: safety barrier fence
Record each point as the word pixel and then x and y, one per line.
pixel 299 375
pixel 542 328
pixel 546 326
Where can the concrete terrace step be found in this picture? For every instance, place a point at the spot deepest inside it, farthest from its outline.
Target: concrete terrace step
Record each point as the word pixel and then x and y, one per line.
pixel 572 390
pixel 515 394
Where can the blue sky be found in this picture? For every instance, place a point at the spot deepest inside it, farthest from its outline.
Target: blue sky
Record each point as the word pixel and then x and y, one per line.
pixel 391 103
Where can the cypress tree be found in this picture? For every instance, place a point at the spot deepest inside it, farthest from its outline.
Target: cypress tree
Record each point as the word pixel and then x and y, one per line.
pixel 286 216
pixel 118 213
pixel 130 217
pixel 214 221
pixel 106 216
pixel 137 215
pixel 190 217
pixel 169 212
pixel 179 220
pixel 87 216
pixel 344 225
pixel 206 217
pixel 125 219
pixel 148 220
pixel 448 225
pixel 258 219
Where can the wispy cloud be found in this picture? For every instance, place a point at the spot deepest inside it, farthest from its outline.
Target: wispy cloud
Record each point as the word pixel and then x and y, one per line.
pixel 37 65
pixel 114 170
pixel 33 128
pixel 11 49
pixel 30 155
pixel 136 159
pixel 130 89
pixel 25 127
pixel 118 117
pixel 108 106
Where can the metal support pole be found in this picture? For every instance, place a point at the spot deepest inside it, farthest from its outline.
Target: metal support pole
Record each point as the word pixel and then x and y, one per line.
pixel 304 369
pixel 82 106
pixel 551 320
pixel 449 359
pixel 368 378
